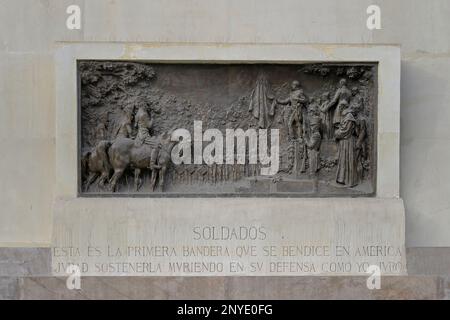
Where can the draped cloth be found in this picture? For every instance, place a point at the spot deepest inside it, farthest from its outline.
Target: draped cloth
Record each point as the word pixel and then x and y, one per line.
pixel 260 103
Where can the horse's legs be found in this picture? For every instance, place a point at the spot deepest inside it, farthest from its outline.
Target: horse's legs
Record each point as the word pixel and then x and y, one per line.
pixel 153 178
pixel 162 174
pixel 103 178
pixel 91 178
pixel 116 176
pixel 137 180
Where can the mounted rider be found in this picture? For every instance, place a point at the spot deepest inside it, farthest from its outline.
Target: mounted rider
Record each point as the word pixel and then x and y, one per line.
pixel 144 124
pixel 124 129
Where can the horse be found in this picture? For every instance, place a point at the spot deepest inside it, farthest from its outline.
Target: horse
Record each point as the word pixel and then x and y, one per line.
pixel 124 153
pixel 95 163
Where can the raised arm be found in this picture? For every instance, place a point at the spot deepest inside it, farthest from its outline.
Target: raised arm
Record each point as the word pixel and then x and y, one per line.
pixel 335 99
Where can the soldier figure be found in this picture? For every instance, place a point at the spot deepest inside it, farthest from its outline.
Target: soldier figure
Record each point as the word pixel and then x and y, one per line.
pixel 297 101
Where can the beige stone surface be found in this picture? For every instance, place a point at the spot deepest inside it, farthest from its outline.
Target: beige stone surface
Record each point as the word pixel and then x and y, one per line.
pixel 123 288
pixel 428 261
pixel 29 29
pixel 110 236
pixel 27 142
pixel 235 288
pixel 16 262
pixel 9 288
pixel 353 288
pixel 27 284
pixel 425 151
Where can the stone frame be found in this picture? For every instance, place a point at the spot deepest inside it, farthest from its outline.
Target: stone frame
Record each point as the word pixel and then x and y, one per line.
pixel 360 221
pixel 388 110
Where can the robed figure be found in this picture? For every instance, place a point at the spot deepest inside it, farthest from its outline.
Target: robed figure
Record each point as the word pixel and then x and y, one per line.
pixel 262 103
pixel 345 135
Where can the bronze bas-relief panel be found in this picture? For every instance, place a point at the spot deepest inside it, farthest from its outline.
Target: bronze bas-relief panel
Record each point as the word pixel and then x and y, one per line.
pixel 324 116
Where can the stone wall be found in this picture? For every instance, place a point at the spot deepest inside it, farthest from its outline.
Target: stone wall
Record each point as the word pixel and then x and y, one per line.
pixel 30 31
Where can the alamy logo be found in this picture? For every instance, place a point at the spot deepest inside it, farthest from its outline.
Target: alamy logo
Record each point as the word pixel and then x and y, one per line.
pixel 374 280
pixel 73 21
pixel 74 279
pixel 235 151
pixel 374 18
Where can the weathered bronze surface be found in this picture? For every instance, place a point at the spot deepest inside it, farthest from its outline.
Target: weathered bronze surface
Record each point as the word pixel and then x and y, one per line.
pixel 325 113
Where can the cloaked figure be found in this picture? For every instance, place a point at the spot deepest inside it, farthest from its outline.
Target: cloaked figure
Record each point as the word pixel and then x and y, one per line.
pixel 346 173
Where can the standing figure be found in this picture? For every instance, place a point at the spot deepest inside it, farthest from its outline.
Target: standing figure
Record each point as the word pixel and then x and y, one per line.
pixel 297 101
pixel 345 135
pixel 313 144
pixel 144 124
pixel 313 111
pixel 327 119
pixel 342 95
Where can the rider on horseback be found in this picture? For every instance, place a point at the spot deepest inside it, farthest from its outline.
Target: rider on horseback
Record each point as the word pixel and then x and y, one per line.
pixel 124 129
pixel 144 124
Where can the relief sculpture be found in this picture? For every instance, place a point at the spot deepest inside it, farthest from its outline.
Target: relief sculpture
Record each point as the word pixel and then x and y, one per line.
pixel 158 129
